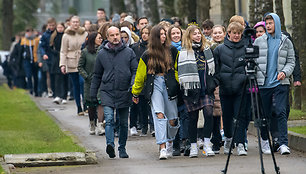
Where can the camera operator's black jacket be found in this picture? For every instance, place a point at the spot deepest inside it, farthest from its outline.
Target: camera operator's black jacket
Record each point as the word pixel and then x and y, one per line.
pixel 230 66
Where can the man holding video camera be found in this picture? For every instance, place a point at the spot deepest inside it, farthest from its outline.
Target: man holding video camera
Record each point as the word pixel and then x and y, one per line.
pixel 276 61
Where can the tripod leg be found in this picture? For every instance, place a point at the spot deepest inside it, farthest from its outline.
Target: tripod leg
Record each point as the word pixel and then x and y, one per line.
pixel 256 119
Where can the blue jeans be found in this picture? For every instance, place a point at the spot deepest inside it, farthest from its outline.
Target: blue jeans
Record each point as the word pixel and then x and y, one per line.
pixel 78 88
pixel 280 94
pixel 123 126
pixel 160 103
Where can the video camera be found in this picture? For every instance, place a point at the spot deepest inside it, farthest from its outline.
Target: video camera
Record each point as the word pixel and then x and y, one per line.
pixel 251 51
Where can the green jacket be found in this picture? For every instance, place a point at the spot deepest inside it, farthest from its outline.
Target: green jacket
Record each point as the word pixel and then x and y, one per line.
pixel 86 68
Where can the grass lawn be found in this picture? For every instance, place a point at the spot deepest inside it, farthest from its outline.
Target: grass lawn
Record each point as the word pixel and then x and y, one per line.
pixel 1 170
pixel 298 129
pixel 297 115
pixel 26 129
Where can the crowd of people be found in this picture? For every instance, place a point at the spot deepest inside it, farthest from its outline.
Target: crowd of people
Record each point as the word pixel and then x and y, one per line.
pixel 182 86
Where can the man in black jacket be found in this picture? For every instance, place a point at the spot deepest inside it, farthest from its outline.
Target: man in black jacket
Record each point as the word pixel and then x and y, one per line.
pixel 115 70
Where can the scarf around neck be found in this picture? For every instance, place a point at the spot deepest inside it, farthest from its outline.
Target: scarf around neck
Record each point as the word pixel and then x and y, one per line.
pixel 188 71
pixel 177 45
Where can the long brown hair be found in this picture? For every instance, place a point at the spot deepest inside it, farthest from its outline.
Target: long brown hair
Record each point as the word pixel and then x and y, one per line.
pixel 159 54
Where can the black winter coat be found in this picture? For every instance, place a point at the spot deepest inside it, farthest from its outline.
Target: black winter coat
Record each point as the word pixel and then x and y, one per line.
pixel 230 66
pixel 139 48
pixel 55 49
pixel 115 71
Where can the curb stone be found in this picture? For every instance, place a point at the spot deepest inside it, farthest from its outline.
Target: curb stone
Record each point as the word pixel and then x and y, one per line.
pixel 50 159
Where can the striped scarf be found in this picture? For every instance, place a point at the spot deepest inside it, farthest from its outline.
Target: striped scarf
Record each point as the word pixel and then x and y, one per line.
pixel 188 71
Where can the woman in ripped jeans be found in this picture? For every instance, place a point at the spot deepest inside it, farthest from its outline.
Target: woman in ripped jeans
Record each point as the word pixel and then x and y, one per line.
pixel 157 76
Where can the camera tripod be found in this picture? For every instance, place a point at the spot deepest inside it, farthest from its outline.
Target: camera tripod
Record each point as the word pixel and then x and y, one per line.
pixel 258 115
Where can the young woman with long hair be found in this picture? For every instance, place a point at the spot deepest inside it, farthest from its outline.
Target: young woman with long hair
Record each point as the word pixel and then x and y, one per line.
pixel 157 71
pixel 86 69
pixel 195 71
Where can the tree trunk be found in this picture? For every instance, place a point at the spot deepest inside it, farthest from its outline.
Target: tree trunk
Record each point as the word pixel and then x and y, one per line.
pixel 203 7
pixel 252 13
pixel 280 12
pixel 302 46
pixel 227 10
pixel 192 10
pixel 151 11
pixel 7 23
pixel 117 6
pixel 169 10
pixel 131 6
pixel 295 35
pixel 182 10
pixel 268 7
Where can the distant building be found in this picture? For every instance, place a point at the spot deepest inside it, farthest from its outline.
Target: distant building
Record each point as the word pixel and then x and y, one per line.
pixel 60 9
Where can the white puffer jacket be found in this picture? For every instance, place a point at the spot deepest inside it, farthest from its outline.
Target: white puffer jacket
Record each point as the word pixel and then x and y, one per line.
pixel 286 59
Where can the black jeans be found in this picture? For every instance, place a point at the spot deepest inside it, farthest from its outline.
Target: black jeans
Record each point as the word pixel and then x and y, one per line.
pixel 230 108
pixel 216 136
pixel 193 121
pixel 61 85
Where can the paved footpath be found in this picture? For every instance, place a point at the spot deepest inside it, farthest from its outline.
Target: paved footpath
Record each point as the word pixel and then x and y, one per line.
pixel 144 153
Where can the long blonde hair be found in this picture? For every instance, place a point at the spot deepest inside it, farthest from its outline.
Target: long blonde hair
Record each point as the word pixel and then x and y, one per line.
pixel 187 41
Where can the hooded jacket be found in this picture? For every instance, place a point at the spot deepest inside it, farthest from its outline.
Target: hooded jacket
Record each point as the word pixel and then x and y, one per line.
pixel 115 70
pixel 71 48
pixel 128 32
pixel 285 60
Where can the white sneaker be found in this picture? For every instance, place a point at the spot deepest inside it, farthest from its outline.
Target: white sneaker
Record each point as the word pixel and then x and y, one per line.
pixel 64 101
pixel 100 129
pixel 265 148
pixel 169 148
pixel 193 150
pixel 133 131
pixel 92 129
pixel 200 143
pixel 163 154
pixel 284 150
pixel 50 94
pixel 57 100
pixel 208 150
pixel 227 145
pixel 240 150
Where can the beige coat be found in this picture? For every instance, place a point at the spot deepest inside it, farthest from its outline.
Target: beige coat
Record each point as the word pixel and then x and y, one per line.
pixel 71 48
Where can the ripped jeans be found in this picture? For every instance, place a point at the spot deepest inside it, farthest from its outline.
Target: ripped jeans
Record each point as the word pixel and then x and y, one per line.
pixel 160 103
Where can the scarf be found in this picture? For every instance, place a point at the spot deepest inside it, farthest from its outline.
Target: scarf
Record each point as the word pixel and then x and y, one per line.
pixel 114 46
pixel 188 71
pixel 177 45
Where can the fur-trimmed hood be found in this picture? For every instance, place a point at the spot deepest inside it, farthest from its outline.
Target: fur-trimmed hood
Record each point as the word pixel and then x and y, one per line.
pixel 70 31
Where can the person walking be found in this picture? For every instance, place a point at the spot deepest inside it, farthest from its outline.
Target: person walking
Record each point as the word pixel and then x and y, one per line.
pixel 157 71
pixel 61 80
pixel 72 41
pixel 195 72
pixel 276 61
pixel 114 71
pixel 231 75
pixel 142 108
pixel 86 70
